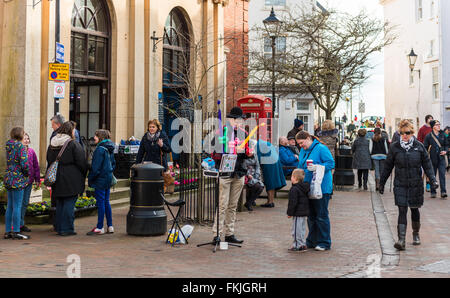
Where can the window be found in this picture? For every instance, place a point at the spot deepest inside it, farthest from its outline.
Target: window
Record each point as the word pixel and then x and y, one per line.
pixel 431 54
pixel 419 10
pixel 275 2
pixel 432 5
pixel 302 106
pixel 280 46
pixel 305 119
pixel 435 71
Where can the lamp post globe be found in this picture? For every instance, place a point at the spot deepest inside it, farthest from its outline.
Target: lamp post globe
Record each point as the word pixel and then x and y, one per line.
pixel 412 58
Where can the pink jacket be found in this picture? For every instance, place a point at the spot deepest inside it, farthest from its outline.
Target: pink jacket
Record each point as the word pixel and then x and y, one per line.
pixel 33 164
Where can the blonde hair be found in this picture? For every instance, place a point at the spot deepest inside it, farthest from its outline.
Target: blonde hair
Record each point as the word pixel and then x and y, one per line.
pixel 155 122
pixel 328 125
pixel 298 174
pixel 405 123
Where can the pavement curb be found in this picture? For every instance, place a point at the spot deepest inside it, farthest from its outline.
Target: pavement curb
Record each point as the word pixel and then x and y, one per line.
pixel 390 256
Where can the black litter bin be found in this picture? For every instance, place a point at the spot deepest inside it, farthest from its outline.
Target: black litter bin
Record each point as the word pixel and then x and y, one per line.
pixel 147 216
pixel 343 173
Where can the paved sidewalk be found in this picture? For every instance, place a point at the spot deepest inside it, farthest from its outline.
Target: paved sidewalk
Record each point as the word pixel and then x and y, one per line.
pixel 264 254
pixel 432 257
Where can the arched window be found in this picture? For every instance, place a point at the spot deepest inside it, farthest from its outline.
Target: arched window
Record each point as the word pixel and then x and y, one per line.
pixel 90 39
pixel 176 50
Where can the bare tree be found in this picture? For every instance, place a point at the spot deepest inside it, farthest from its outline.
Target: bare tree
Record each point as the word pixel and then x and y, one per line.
pixel 327 54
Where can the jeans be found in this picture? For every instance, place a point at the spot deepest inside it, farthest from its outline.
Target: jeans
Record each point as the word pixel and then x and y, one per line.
pixel 319 223
pixel 65 214
pixel 440 167
pixel 298 231
pixel 25 202
pixel 363 175
pixel 104 207
pixel 13 210
pixel 379 167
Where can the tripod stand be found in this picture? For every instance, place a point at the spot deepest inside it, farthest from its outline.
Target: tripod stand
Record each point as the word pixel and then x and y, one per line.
pixel 216 240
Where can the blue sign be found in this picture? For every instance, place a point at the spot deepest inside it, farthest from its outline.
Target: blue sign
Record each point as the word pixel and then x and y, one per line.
pixel 59 52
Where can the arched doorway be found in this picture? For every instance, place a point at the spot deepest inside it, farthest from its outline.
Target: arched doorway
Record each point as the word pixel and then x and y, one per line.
pixel 90 66
pixel 176 64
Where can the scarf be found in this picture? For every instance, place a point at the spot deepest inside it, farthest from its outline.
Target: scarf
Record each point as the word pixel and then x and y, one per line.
pixel 153 137
pixel 407 145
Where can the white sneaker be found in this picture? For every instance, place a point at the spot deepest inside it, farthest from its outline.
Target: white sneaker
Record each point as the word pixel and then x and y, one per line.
pixel 111 230
pixel 96 231
pixel 319 248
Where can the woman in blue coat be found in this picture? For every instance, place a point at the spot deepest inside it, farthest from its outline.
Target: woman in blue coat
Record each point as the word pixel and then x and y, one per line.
pixel 272 170
pixel 100 178
pixel 319 236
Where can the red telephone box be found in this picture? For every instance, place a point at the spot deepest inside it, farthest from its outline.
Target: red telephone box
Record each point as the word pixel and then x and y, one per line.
pixel 258 107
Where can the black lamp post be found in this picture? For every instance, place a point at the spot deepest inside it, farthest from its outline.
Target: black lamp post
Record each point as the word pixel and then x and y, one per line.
pixel 412 58
pixel 273 26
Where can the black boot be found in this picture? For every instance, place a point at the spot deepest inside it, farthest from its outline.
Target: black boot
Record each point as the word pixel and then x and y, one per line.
pixel 416 228
pixel 401 243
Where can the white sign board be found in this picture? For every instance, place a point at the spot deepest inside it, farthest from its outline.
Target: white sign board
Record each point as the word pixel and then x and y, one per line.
pixel 362 107
pixel 228 163
pixel 60 90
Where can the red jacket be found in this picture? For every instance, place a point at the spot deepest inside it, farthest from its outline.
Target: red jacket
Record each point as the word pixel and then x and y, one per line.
pixel 423 131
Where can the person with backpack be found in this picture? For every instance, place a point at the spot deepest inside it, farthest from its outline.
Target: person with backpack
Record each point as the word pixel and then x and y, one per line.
pixel 101 178
pixel 436 144
pixel 379 148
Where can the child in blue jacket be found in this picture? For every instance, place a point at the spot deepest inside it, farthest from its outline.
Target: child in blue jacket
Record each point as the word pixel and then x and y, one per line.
pixel 100 178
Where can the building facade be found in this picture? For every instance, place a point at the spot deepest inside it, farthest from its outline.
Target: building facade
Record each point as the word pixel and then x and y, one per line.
pixel 422 25
pixel 236 47
pixel 289 105
pixel 130 61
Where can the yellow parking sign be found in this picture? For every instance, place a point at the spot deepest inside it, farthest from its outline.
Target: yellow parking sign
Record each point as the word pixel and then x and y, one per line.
pixel 58 71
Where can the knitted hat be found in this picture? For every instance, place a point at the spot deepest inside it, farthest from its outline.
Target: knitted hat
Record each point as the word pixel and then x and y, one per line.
pixel 298 123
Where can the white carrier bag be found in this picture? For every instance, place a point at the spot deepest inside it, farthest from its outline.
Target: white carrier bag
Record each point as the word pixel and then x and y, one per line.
pixel 316 183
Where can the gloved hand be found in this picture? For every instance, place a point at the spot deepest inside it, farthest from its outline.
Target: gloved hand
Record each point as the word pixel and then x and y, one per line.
pixel 381 189
pixel 312 168
pixel 434 185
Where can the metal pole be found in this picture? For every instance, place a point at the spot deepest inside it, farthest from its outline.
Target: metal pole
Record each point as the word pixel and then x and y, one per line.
pixel 57 39
pixel 273 77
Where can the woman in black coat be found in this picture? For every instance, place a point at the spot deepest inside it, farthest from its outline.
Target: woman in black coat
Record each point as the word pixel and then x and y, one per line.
pixel 154 145
pixel 70 177
pixel 409 157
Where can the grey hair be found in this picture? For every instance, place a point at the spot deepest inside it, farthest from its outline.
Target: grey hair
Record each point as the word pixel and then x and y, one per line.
pixel 58 119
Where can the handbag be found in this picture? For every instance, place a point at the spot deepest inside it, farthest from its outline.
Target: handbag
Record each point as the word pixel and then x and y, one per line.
pixel 50 175
pixel 169 181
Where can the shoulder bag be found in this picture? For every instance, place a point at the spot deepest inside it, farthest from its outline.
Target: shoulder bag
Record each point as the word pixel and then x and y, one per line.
pixel 50 175
pixel 439 144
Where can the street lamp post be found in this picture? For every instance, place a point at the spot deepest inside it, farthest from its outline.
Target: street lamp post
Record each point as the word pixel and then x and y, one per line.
pixel 412 59
pixel 273 26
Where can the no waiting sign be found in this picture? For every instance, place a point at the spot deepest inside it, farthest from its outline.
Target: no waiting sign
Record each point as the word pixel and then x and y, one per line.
pixel 60 89
pixel 58 71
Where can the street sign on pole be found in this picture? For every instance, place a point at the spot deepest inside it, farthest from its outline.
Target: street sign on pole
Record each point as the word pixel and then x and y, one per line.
pixel 362 107
pixel 60 88
pixel 59 52
pixel 58 71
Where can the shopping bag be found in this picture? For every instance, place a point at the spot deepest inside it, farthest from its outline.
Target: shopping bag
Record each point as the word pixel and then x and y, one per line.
pixel 316 183
pixel 175 236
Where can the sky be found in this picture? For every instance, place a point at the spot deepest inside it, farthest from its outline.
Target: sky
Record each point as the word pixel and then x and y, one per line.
pixel 372 92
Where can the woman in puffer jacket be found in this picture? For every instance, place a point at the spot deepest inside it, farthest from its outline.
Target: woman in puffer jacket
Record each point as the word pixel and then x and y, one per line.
pixel 15 181
pixel 409 157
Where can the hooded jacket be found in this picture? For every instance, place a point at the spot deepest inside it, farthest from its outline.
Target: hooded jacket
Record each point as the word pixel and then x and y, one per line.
pixel 298 200
pixel 16 175
pixel 72 167
pixel 103 165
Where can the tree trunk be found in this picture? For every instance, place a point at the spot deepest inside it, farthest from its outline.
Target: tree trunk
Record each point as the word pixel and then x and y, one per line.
pixel 328 113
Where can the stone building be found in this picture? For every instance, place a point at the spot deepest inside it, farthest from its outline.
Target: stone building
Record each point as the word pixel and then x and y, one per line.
pixel 127 64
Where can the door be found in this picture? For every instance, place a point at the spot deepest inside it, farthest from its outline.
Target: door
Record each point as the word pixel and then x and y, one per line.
pixel 88 108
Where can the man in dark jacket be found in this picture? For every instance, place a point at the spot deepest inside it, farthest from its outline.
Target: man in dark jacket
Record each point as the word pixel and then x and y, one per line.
pixel 298 208
pixel 230 185
pixel 298 127
pixel 436 144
